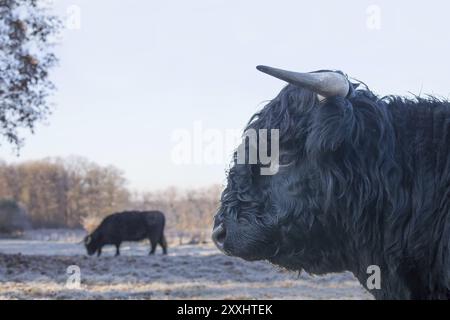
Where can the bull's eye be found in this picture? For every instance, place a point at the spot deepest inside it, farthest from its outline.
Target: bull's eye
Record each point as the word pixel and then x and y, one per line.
pixel 286 159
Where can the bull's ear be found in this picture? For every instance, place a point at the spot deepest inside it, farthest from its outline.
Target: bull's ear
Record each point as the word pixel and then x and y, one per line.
pixel 87 240
pixel 331 125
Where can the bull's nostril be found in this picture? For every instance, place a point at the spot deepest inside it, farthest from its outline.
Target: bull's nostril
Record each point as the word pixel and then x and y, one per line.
pixel 218 235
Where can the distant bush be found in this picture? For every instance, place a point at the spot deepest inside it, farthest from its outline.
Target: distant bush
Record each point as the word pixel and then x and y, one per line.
pixel 90 223
pixel 189 212
pixel 13 217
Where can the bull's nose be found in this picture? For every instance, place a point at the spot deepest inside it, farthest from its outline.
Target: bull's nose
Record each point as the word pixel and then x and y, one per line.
pixel 218 235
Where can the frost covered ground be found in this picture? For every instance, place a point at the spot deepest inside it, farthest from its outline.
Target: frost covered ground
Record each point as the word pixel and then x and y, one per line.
pixel 35 267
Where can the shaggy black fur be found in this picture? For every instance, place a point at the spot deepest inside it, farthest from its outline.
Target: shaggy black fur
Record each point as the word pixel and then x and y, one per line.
pixel 363 181
pixel 128 226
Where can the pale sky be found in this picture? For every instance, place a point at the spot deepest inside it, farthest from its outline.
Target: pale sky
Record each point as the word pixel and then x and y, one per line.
pixel 139 71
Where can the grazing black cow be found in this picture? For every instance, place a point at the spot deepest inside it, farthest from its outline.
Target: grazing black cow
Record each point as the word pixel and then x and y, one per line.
pixel 362 181
pixel 128 226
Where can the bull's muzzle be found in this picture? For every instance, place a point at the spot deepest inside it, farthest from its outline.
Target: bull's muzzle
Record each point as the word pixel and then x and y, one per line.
pixel 218 236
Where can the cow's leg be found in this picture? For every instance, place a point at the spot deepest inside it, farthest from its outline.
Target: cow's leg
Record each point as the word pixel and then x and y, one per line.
pixel 153 244
pixel 99 252
pixel 117 249
pixel 163 244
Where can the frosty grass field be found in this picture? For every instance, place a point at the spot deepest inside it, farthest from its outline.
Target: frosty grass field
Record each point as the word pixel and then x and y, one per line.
pixel 35 267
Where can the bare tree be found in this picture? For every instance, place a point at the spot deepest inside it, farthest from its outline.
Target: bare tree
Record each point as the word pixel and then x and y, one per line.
pixel 26 29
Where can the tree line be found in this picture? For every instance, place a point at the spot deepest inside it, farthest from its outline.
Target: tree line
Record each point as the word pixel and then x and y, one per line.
pixel 74 192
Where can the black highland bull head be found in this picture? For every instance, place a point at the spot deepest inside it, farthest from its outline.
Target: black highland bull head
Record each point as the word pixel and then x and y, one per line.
pixel 362 181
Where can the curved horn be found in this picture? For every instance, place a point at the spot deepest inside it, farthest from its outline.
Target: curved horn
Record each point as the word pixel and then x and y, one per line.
pixel 327 83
